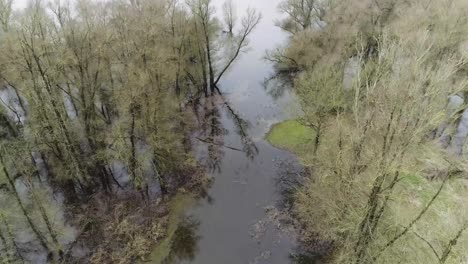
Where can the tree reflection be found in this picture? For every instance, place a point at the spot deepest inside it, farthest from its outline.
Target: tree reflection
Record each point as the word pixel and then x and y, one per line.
pixel 184 246
pixel 305 259
pixel 290 176
pixel 312 251
pixel 248 145
pixel 278 83
pixel 212 130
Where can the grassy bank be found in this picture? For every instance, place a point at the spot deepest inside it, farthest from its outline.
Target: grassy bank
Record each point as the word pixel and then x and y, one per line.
pixel 291 135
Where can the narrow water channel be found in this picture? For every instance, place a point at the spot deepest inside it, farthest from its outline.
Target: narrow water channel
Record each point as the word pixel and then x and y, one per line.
pixel 235 223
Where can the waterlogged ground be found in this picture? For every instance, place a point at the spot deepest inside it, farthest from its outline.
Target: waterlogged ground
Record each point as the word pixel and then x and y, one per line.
pixel 239 221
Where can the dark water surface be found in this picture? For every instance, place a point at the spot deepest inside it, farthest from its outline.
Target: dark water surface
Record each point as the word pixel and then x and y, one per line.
pixel 235 223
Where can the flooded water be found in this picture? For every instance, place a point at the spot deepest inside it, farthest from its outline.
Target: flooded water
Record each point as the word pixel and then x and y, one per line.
pixel 237 222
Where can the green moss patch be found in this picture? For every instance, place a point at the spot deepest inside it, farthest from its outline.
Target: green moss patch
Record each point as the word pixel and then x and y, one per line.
pixel 291 135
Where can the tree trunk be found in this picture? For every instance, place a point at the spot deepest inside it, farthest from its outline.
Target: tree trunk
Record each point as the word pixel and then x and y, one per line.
pixel 11 237
pixel 46 219
pixel 133 158
pixel 317 138
pixel 33 227
pixel 210 64
pixel 7 258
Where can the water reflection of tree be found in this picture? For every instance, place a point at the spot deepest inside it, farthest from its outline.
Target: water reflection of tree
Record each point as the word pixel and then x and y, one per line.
pixel 213 131
pixel 290 176
pixel 305 259
pixel 184 245
pixel 242 125
pixel 278 83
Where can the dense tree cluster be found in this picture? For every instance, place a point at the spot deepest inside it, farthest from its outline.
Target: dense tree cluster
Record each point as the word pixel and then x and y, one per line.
pixel 94 100
pixel 373 84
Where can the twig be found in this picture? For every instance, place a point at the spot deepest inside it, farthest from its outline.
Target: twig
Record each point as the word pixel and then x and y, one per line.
pixel 429 244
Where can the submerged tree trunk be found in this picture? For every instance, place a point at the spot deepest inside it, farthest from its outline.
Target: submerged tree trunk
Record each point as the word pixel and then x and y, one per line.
pixel 11 237
pixel 5 250
pixel 31 224
pixel 210 63
pixel 44 215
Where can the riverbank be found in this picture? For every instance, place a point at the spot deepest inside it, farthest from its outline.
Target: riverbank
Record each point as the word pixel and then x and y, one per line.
pixel 387 175
pixel 237 220
pixel 414 192
pixel 119 228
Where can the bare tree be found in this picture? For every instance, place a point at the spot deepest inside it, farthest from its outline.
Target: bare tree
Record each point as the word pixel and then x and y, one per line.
pixel 229 15
pixel 249 22
pixel 5 13
pixel 302 14
pixel 203 13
